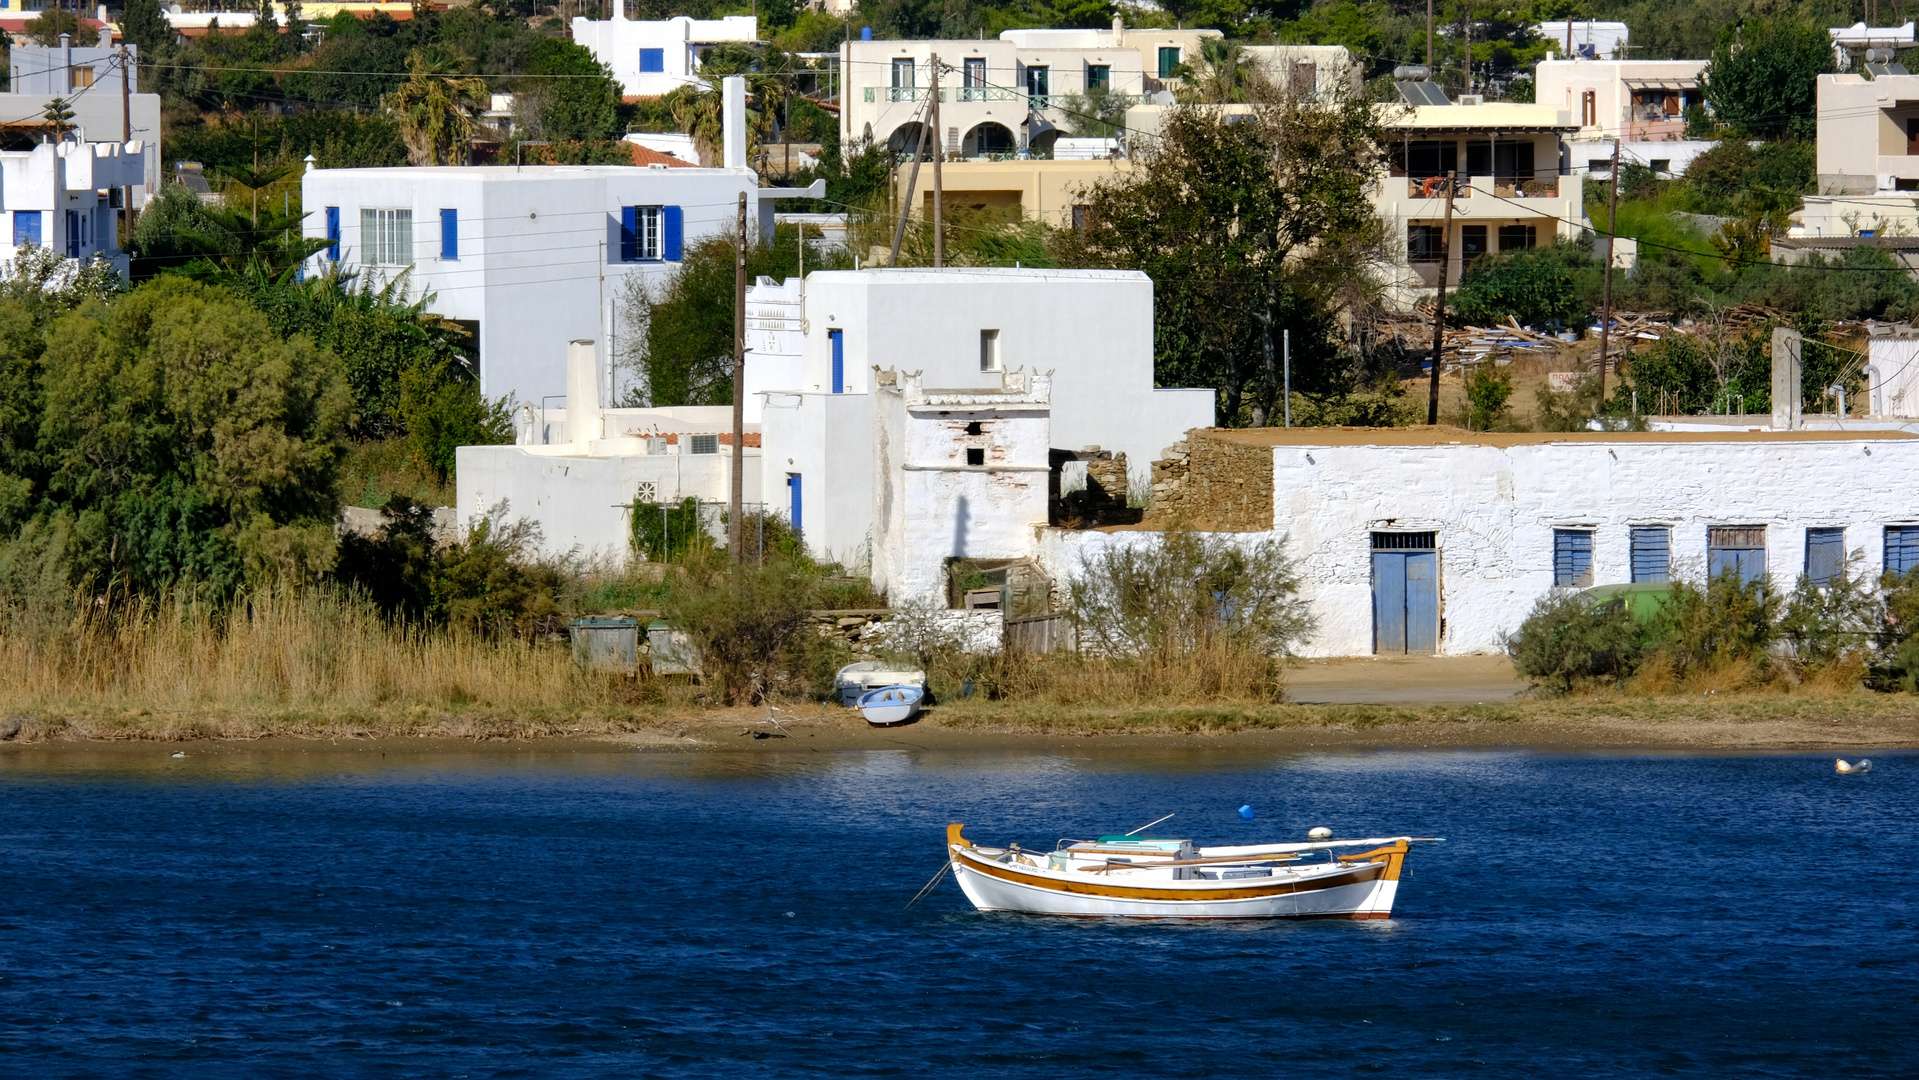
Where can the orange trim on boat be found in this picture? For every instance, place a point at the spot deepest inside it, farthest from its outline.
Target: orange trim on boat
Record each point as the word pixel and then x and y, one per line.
pixel 1394 854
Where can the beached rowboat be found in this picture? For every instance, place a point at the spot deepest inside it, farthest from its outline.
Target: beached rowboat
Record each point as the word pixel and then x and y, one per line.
pixel 890 705
pixel 1125 877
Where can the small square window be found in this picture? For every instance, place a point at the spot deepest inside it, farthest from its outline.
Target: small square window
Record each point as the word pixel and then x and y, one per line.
pixel 1099 75
pixel 973 427
pixel 652 61
pixel 975 455
pixel 1902 549
pixel 1168 60
pixel 706 444
pixel 989 350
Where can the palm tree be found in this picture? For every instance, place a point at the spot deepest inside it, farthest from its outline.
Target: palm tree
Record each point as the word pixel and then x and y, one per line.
pixel 696 107
pixel 435 107
pixel 1224 74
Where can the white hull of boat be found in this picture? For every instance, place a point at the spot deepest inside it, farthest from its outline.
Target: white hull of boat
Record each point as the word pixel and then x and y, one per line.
pixel 1263 882
pixel 1362 900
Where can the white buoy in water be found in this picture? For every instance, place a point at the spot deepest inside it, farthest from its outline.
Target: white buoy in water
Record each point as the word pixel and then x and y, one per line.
pixel 1863 765
pixel 179 753
pixel 1320 833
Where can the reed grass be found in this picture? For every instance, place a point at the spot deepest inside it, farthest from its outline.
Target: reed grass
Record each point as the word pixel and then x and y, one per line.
pixel 304 662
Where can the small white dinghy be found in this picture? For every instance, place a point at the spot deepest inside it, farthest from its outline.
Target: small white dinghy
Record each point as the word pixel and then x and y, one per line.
pixel 1863 765
pixel 891 705
pixel 1132 878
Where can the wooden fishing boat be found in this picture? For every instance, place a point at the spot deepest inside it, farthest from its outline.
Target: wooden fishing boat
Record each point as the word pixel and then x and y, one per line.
pixel 1127 877
pixel 891 705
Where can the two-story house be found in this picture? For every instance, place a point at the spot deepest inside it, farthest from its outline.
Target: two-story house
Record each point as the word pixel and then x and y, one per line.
pixel 650 58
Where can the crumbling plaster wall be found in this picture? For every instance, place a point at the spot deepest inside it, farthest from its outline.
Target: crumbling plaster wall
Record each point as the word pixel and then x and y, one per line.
pixel 1494 510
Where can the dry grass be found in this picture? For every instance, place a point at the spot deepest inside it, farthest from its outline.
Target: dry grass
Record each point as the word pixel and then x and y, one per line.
pixel 311 663
pixel 1215 673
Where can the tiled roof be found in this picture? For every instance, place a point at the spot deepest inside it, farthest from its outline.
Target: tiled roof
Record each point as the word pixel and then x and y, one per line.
pixel 646 155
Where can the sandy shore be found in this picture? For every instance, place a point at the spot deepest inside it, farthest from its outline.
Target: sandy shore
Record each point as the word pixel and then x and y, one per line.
pixel 1850 723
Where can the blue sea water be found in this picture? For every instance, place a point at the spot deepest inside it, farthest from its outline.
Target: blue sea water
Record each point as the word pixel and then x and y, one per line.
pixel 289 914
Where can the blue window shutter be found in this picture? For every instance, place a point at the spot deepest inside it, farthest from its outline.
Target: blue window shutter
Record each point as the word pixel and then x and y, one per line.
pixel 1651 553
pixel 652 60
pixel 333 233
pixel 449 234
pixel 26 227
pixel 1902 549
pixel 629 233
pixel 73 234
pixel 1572 558
pixel 670 228
pixel 1826 554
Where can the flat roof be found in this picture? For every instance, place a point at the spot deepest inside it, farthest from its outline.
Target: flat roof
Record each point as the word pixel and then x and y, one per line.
pixel 1452 436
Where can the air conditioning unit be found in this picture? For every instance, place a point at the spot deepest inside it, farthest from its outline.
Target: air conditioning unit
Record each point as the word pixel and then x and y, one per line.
pixel 1472 99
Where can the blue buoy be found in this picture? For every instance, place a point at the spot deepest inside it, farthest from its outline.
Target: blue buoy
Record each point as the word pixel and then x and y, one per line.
pixel 1246 812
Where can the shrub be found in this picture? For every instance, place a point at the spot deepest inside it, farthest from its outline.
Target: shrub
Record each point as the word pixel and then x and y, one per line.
pixel 1538 287
pixel 746 621
pixel 1184 590
pixel 1831 626
pixel 488 582
pixel 1728 622
pixel 1488 390
pixel 1568 642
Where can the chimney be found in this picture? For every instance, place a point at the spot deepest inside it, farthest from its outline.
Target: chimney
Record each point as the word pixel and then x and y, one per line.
pixel 619 10
pixel 1119 31
pixel 733 120
pixel 582 394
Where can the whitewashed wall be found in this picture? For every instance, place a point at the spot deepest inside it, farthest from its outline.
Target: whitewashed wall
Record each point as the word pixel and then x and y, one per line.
pixel 580 502
pixel 1494 510
pixel 827 441
pixel 930 505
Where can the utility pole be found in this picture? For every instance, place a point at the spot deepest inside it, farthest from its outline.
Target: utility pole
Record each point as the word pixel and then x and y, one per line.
pixel 126 136
pixel 1286 351
pixel 1429 35
pixel 737 506
pixel 939 190
pixel 1612 252
pixel 1439 310
pixel 912 181
pixel 1468 12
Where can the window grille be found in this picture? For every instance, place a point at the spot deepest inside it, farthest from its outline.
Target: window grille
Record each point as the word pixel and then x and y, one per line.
pixel 1651 554
pixel 649 492
pixel 386 237
pixel 1404 541
pixel 706 444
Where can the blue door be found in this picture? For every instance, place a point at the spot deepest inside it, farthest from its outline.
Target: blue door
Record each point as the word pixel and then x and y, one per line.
pixel 838 338
pixel 1405 593
pixel 793 499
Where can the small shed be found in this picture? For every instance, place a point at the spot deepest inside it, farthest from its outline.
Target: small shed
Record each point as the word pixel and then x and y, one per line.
pixel 606 644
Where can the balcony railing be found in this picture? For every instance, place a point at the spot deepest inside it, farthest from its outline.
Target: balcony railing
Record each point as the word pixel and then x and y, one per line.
pixel 966 94
pixel 1504 187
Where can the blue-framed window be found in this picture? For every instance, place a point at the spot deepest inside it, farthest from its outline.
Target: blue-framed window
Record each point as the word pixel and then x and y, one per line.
pixel 450 235
pixel 1651 554
pixel 1902 548
pixel 1572 558
pixel 1739 550
pixel 652 60
pixel 26 227
pixel 333 233
pixel 73 234
pixel 650 233
pixel 1825 554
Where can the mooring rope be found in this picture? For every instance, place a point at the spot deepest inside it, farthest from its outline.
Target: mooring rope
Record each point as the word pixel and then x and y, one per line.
pixel 928 887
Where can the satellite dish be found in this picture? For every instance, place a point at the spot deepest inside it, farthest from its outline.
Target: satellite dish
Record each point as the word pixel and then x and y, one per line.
pixel 1163 99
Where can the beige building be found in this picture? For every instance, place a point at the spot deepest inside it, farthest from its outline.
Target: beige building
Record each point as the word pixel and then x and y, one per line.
pixel 1637 100
pixel 1038 190
pixel 992 88
pixel 1868 131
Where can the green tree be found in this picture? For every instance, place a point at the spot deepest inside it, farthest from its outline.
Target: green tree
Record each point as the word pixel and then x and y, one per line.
pixel 186 442
pixel 435 107
pixel 46 29
pixel 1223 73
pixel 568 94
pixel 1538 287
pixel 1248 229
pixel 143 25
pixel 1761 79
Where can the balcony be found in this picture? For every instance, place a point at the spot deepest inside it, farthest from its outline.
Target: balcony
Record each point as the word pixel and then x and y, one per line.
pixel 969 94
pixel 1504 187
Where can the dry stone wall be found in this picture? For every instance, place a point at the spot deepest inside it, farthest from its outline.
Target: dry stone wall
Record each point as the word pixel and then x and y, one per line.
pixel 1210 481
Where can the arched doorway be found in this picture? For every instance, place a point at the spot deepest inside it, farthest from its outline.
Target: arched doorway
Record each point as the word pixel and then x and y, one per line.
pixel 903 138
pixel 988 139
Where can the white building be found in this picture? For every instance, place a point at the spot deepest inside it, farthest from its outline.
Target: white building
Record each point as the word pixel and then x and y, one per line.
pixel 1090 331
pixel 1587 39
pixel 653 58
pixel 66 196
pixel 98 117
pixel 63 69
pixel 862 385
pixel 530 257
pixel 1415 540
pixel 1848 41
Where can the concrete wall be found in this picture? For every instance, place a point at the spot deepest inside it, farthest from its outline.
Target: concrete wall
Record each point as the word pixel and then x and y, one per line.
pixel 46 69
pixel 1494 508
pixel 55 180
pixel 1043 190
pixel 539 249
pixel 1862 137
pixel 98 118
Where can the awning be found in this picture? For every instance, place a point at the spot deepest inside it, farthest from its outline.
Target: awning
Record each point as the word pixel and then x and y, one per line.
pixel 1660 84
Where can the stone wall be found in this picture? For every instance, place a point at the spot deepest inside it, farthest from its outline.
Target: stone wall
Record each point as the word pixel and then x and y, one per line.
pixel 1213 482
